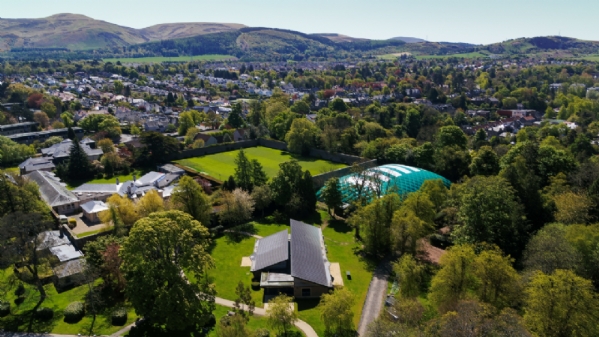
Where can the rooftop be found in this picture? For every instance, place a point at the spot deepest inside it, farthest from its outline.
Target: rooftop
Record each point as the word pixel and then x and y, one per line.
pixel 66 252
pixel 270 250
pixel 308 254
pixel 52 190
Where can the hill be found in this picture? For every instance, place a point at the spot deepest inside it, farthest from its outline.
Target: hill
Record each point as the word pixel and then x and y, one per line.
pixel 542 44
pixel 339 37
pixel 79 32
pixel 408 39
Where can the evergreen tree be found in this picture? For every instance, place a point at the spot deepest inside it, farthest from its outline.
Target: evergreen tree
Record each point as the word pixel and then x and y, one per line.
pixel 307 193
pixel 229 184
pixel 332 195
pixel 235 119
pixel 243 171
pixel 79 166
pixel 259 177
pixel 71 133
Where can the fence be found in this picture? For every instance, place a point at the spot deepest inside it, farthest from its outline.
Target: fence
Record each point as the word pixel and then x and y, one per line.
pixel 319 180
pixel 79 243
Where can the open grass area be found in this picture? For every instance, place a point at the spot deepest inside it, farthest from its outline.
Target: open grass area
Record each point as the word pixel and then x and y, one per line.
pixel 463 55
pixel 99 230
pixel 19 319
pixel 160 59
pixel 222 165
pixel 14 169
pixel 71 185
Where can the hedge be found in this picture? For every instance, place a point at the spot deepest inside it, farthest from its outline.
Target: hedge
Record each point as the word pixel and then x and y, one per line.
pixel 44 313
pixel 119 316
pixel 74 312
pixel 4 308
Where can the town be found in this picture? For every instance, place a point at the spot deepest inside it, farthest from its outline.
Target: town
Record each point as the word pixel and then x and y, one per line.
pixel 381 195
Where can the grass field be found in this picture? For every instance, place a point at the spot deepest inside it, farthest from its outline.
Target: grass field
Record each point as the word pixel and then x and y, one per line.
pixel 222 165
pixel 160 59
pixel 20 315
pixel 122 178
pixel 464 55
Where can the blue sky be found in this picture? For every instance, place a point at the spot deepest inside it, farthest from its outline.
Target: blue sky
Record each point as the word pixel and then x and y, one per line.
pixel 481 21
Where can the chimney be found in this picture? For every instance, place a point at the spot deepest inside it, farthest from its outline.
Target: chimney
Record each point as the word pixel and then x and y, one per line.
pixel 117 181
pixel 134 178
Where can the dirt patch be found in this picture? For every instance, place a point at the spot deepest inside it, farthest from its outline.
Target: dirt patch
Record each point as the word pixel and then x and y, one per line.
pixel 246 261
pixel 335 270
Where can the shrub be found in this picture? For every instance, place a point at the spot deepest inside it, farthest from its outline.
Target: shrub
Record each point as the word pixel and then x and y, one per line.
pixel 4 308
pixel 119 316
pixel 225 320
pixel 211 320
pixel 256 285
pixel 44 313
pixel 262 333
pixel 74 312
pixel 72 223
pixel 20 289
pixel 19 300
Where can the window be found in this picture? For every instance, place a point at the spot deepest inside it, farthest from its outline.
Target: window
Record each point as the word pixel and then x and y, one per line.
pixel 306 292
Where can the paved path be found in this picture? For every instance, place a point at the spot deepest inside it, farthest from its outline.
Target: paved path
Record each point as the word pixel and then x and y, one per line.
pixel 375 297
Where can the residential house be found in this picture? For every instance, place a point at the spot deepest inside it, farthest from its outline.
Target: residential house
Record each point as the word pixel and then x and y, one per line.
pixel 36 164
pixel 42 136
pixel 11 129
pixel 62 151
pixel 54 193
pixel 92 209
pixel 241 134
pixel 208 139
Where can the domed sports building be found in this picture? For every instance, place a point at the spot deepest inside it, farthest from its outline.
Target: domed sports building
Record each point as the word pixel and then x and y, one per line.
pixel 381 180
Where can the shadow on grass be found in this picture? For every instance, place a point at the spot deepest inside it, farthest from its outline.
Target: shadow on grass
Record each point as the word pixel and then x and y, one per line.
pixel 148 330
pixel 370 262
pixel 23 321
pixel 306 304
pixel 239 233
pixel 340 226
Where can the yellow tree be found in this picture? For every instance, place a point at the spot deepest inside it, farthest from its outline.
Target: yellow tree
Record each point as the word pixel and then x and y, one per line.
pixel 280 314
pixel 336 312
pixel 151 202
pixel 455 278
pixel 572 208
pixel 124 208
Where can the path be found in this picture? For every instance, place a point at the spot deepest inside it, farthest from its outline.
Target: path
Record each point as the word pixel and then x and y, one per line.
pixel 119 333
pixel 375 297
pixel 305 327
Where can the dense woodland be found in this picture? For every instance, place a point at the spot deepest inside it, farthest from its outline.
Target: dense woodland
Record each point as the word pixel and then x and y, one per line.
pixel 520 222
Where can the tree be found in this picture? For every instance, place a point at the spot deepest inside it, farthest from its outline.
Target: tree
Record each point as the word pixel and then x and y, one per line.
pixel 235 119
pixel 498 282
pixel 572 208
pixel 259 177
pixel 190 135
pixel 489 212
pixel 293 189
pixel 135 130
pixel 233 326
pixel 41 118
pixel 453 281
pixel 338 105
pixel 12 152
pixel 451 135
pixel 79 167
pixel 49 109
pixel 280 315
pixel 561 304
pixel 159 248
pixel 549 250
pixel 150 203
pixel 244 301
pixel 302 136
pixel 190 198
pixel 262 197
pixel 243 171
pixel 20 241
pixel 238 207
pixel 452 162
pixel 118 87
pixel 331 194
pixel 485 162
pixel 71 134
pixel 198 144
pixel 185 123
pixel 409 274
pixel 337 313
pixel 158 148
pixel 102 255
pixel 106 145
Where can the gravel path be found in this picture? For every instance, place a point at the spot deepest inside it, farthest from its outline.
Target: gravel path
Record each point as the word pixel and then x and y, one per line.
pixel 375 297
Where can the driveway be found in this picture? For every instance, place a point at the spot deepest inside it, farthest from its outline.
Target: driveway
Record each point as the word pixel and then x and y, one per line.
pixel 375 297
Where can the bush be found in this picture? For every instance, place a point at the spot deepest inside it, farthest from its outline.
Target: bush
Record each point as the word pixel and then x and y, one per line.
pixel 72 223
pixel 119 316
pixel 74 312
pixel 256 285
pixel 20 289
pixel 262 333
pixel 225 320
pixel 211 320
pixel 4 308
pixel 44 314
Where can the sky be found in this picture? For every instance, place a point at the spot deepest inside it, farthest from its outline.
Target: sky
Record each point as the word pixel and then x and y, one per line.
pixel 472 21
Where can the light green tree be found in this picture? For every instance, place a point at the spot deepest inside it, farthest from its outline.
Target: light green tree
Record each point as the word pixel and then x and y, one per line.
pixel 280 314
pixel 336 312
pixel 190 198
pixel 302 136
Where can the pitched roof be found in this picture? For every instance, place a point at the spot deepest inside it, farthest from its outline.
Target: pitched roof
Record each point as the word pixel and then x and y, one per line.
pixel 94 206
pixel 270 250
pixel 63 149
pixel 308 256
pixel 39 163
pixel 51 190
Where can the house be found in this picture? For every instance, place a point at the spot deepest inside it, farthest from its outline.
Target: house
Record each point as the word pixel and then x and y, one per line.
pixel 170 168
pixel 62 151
pixel 241 134
pixel 69 271
pixel 293 264
pixel 36 164
pixel 11 129
pixel 92 209
pixel 69 274
pixel 54 193
pixel 42 136
pixel 208 139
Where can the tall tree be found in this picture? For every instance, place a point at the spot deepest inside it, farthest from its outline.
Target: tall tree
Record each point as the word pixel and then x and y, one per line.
pixel 498 282
pixel 410 275
pixel 243 171
pixel 280 315
pixel 331 194
pixel 549 250
pixel 302 136
pixel 151 202
pixel 79 167
pixel 336 312
pixel 262 197
pixel 455 278
pixel 259 177
pixel 158 148
pixel 561 304
pixel 235 119
pixel 157 251
pixel 190 198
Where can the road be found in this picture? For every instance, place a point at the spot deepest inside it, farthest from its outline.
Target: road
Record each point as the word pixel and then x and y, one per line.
pixel 375 297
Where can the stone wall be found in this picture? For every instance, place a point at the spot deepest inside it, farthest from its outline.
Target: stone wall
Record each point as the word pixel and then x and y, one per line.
pixel 79 243
pixel 214 149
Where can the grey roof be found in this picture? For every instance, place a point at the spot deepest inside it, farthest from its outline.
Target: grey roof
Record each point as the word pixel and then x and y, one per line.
pixel 308 256
pixel 149 178
pixel 63 149
pixel 50 239
pixel 39 163
pixel 51 190
pixel 170 168
pixel 94 206
pixel 270 250
pixel 168 179
pixel 66 252
pixel 97 188
pixel 69 268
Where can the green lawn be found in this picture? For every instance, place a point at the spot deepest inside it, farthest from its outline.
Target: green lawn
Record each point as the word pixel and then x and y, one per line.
pixel 99 230
pixel 19 318
pixel 222 165
pixel 122 178
pixel 14 169
pixel 160 59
